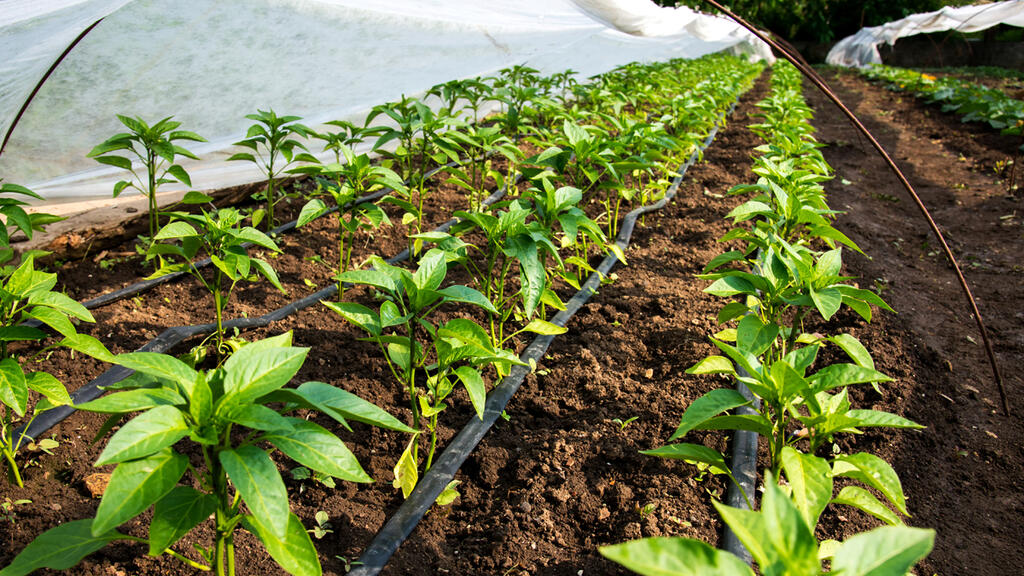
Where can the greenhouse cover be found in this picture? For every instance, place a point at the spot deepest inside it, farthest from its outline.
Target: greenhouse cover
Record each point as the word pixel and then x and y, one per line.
pixel 208 63
pixel 861 49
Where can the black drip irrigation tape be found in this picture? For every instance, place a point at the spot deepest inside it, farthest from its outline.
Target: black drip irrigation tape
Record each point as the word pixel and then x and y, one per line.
pixel 173 336
pixel 744 471
pixel 430 486
pixel 144 285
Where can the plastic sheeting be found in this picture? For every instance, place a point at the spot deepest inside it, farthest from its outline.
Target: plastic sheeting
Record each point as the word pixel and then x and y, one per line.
pixel 861 49
pixel 208 63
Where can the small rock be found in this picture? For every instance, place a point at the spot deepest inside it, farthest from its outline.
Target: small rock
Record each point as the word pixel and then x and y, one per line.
pixel 603 514
pixel 97 483
pixel 649 373
pixel 131 210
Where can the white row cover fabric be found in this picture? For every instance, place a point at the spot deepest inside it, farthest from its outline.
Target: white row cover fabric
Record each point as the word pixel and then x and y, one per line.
pixel 208 63
pixel 861 49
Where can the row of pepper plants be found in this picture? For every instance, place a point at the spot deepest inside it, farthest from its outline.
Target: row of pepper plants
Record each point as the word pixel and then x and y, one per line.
pixel 607 144
pixel 974 102
pixel 787 269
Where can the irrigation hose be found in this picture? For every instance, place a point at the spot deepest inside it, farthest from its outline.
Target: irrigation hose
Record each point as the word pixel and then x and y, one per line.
pixel 823 86
pixel 401 524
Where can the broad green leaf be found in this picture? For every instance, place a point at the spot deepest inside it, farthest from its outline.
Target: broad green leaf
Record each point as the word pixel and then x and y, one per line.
pixel 176 514
pixel 475 386
pixel 256 477
pixel 752 422
pixel 433 267
pixel 90 346
pixel 885 551
pixel 132 401
pixel 293 550
pixel 161 366
pixel 876 418
pixel 62 303
pixel 311 211
pixel 810 479
pixel 145 434
pixel 712 365
pixel 60 548
pixel 350 406
pixel 314 447
pixel 711 404
pixel 459 293
pixel 258 238
pixel 136 485
pixel 357 314
pixel 827 301
pixel 373 278
pixel 675 557
pixel 538 326
pixel 691 453
pixel 730 286
pixel 837 375
pixel 176 229
pixel 55 319
pixel 16 333
pixel 51 388
pixel 854 349
pixel 251 373
pixel 786 542
pixel 731 311
pixel 406 470
pixel 753 336
pixel 874 472
pixel 257 417
pixel 863 500
pixel 13 389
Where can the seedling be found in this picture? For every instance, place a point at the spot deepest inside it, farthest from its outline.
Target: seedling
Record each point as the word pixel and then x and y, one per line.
pixel 155 149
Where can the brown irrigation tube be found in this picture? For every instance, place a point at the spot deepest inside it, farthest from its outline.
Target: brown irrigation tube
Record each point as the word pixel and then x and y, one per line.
pixel 823 86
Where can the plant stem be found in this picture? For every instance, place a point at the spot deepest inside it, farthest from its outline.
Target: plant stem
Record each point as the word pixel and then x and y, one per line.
pixel 186 560
pixel 151 193
pixel 13 467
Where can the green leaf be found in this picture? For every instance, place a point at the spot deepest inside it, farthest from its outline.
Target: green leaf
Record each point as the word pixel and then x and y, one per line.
pixel 374 278
pixel 406 470
pixel 311 211
pixel 691 453
pixel 827 301
pixel 135 485
pixel 16 333
pixel 251 373
pixel 53 318
pixel 145 434
pixel 193 197
pixel 713 403
pixel 839 375
pixel 753 336
pixel 89 346
pixel 350 406
pixel 293 550
pixel 863 500
pixel 116 161
pixel 177 513
pixel 854 349
pixel 357 314
pixel 712 365
pixel 433 267
pixel 180 174
pixel 730 286
pixel 449 494
pixel 731 311
pixel 258 238
pixel 810 478
pixel 465 294
pixel 13 388
pixel 885 551
pixel 752 422
pixel 60 548
pixel 675 557
pixel 475 386
pixel 51 388
pixel 256 477
pixel 62 303
pixel 874 472
pixel 538 326
pixel 877 418
pixel 257 417
pixel 314 447
pixel 176 229
pixel 160 366
pixel 132 401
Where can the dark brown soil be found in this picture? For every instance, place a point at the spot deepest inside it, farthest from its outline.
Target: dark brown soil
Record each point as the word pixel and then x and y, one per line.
pixel 562 476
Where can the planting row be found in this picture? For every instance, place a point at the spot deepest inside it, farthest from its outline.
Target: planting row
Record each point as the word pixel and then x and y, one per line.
pixel 785 271
pixel 611 144
pixel 976 103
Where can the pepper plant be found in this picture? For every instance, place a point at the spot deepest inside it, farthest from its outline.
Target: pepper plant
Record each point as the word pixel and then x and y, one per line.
pixel 222 237
pixel 235 416
pixel 780 537
pixel 154 147
pixel 345 184
pixel 403 327
pixel 273 141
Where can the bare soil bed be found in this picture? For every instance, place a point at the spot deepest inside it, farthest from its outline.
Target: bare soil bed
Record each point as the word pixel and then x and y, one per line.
pixel 561 476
